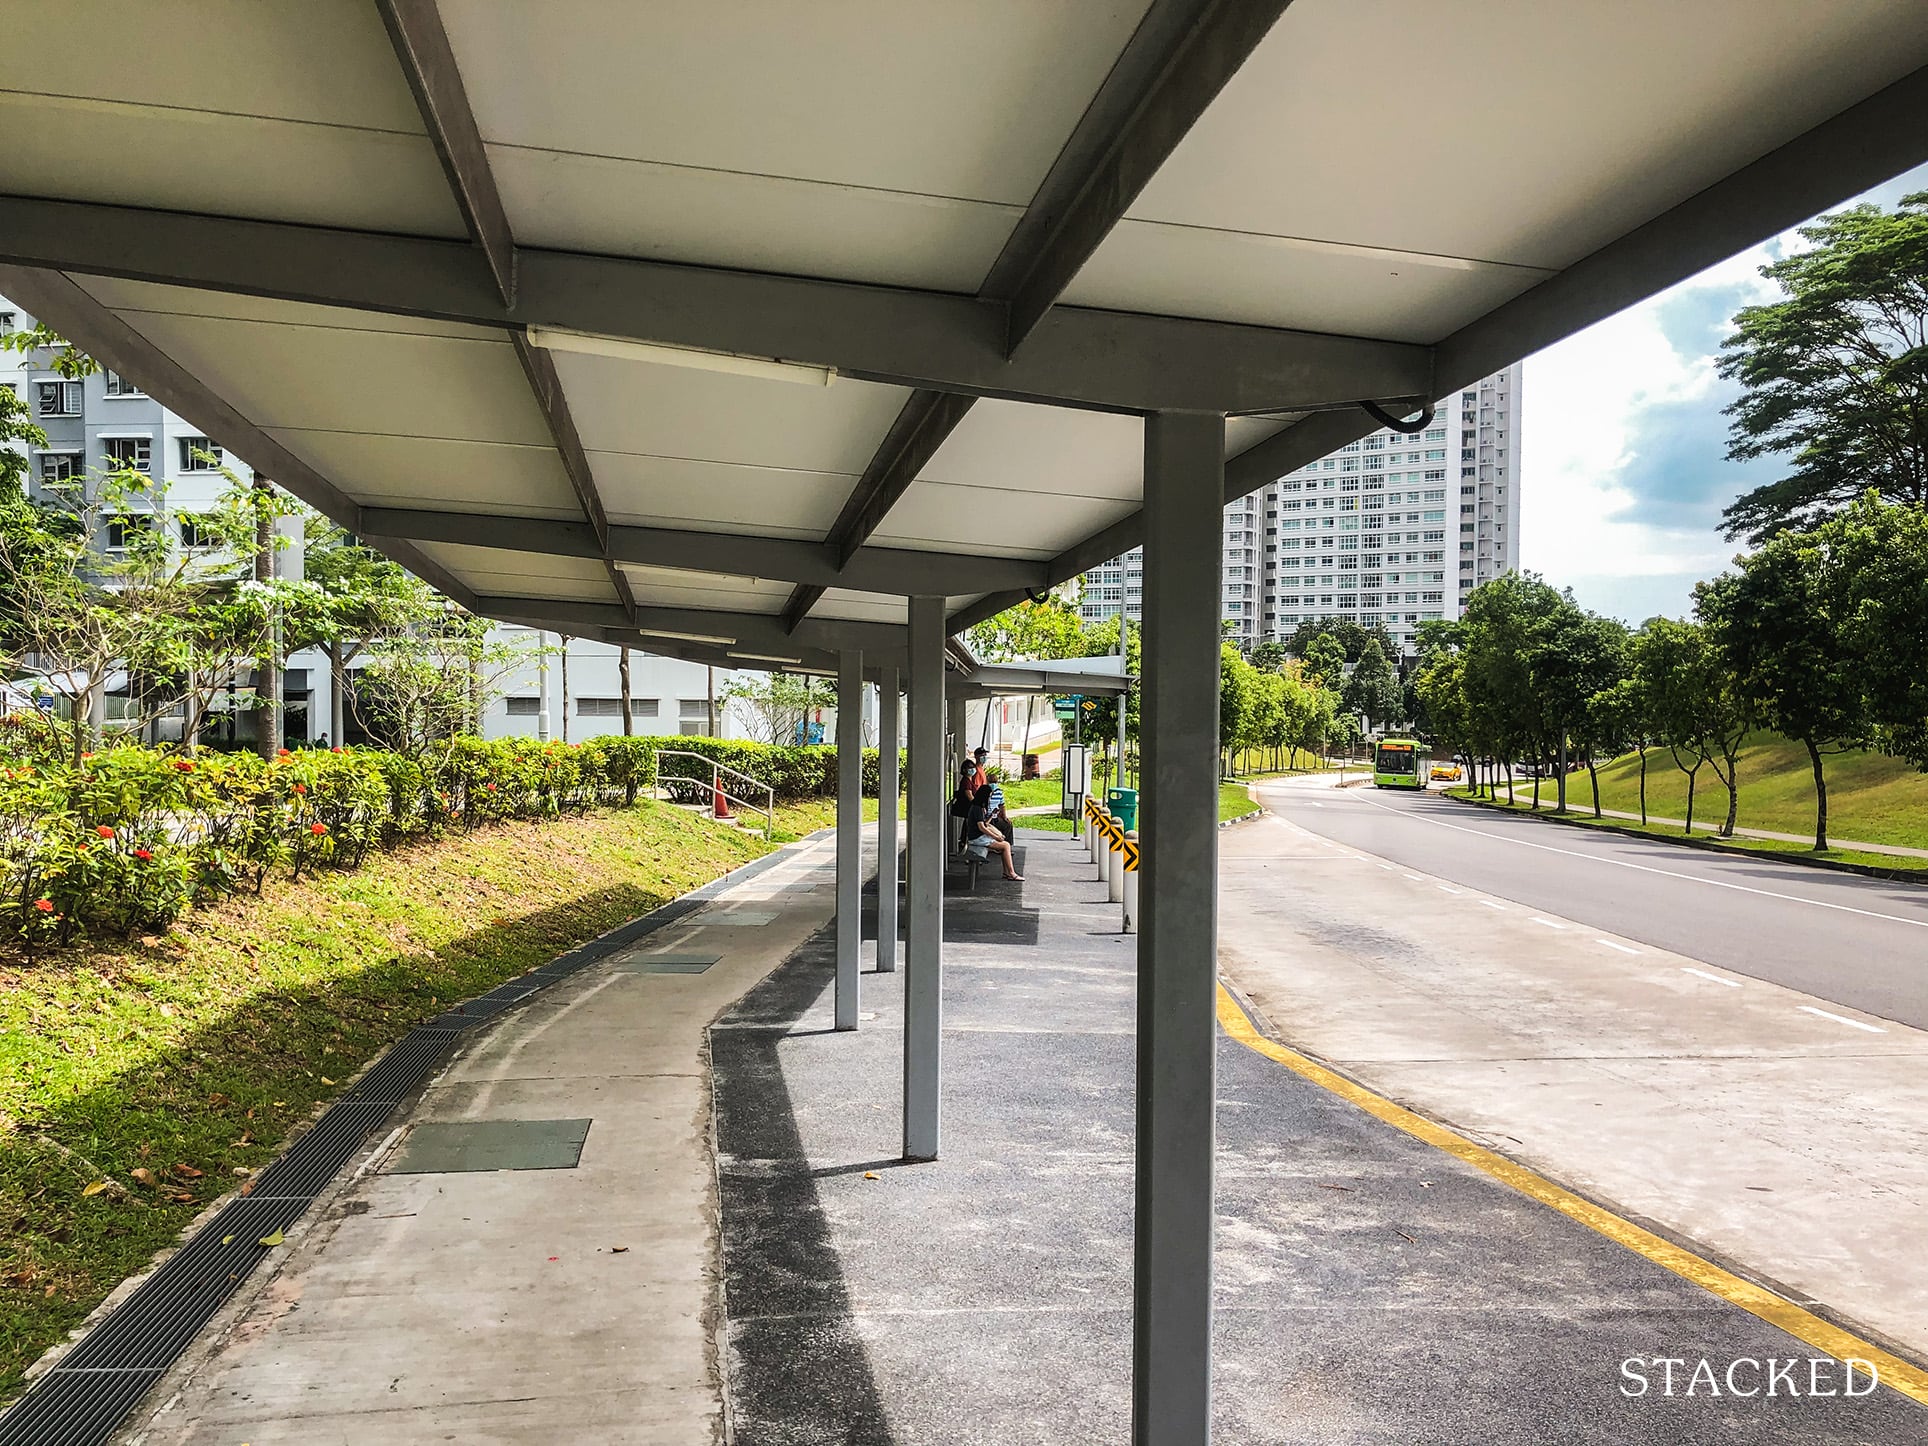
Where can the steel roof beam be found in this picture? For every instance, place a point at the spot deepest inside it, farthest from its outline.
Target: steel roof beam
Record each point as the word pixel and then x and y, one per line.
pixel 752 632
pixel 898 572
pixel 422 50
pixel 1177 61
pixel 422 47
pixel 1076 357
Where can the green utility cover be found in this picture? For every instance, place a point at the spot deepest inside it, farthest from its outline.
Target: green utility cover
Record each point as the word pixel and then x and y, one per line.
pixel 449 1147
pixel 665 963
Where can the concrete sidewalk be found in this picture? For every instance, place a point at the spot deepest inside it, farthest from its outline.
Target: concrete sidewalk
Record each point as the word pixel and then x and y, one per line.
pixel 529 1306
pixel 1370 1287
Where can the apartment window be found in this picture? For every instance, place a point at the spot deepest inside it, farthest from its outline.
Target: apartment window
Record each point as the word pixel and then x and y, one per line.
pixel 7 321
pixel 58 399
pixel 59 466
pixel 199 454
pixel 195 533
pixel 524 707
pixel 120 386
pixel 125 526
pixel 599 707
pixel 128 454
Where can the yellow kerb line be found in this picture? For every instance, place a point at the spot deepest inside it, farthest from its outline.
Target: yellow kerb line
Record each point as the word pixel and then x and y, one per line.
pixel 1803 1325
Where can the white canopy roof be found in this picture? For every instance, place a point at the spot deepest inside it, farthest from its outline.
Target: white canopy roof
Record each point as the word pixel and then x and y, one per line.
pixel 500 286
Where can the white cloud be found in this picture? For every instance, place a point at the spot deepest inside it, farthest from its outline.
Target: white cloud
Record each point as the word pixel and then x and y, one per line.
pixel 1630 534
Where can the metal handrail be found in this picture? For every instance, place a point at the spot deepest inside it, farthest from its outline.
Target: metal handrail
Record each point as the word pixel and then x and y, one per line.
pixel 768 808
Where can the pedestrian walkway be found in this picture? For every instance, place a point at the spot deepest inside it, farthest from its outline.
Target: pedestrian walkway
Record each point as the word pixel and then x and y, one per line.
pixel 485 1286
pixel 1371 1288
pixel 1701 826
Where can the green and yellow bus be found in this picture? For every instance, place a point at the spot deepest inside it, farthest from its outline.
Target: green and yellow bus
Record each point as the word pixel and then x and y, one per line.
pixel 1398 763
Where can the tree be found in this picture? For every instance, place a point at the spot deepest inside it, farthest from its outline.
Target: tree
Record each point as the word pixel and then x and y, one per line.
pixel 1048 628
pixel 1834 376
pixel 421 687
pixel 1269 656
pixel 1694 703
pixel 1776 622
pixel 1351 634
pixel 1237 701
pixel 1325 660
pixel 1618 718
pixel 771 706
pixel 1879 599
pixel 1574 655
pixel 363 596
pixel 1373 686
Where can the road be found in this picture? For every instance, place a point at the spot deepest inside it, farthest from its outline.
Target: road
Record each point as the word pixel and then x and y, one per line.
pixel 1725 1047
pixel 1856 941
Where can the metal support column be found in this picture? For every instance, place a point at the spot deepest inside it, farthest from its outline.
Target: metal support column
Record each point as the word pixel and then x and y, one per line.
pixel 850 835
pixel 924 941
pixel 1178 938
pixel 887 791
pixel 959 749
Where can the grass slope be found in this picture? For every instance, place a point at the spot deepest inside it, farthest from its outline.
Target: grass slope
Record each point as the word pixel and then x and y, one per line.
pixel 188 1058
pixel 1871 798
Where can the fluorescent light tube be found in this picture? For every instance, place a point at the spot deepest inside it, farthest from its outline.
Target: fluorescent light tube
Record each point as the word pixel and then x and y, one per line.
pixel 731 364
pixel 763 657
pixel 685 637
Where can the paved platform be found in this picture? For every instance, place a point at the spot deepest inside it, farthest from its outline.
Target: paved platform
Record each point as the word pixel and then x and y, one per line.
pixel 1370 1287
pixel 797 1284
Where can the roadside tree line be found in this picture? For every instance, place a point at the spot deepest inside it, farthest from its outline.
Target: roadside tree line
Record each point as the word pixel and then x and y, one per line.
pixel 1817 635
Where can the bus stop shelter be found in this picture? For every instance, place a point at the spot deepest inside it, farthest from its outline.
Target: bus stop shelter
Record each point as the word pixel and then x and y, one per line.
pixel 806 337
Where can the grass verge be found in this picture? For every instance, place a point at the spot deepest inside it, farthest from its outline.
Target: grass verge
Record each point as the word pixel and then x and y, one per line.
pixel 1582 814
pixel 1235 802
pixel 1871 798
pixel 139 1080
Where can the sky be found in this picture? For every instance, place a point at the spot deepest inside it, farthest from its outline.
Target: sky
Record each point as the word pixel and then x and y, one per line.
pixel 1624 468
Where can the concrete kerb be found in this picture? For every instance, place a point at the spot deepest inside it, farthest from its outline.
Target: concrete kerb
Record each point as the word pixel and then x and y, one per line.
pixel 1916 877
pixel 249 1288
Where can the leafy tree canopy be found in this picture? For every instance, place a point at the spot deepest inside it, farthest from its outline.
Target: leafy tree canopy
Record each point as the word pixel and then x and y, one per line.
pixel 1834 376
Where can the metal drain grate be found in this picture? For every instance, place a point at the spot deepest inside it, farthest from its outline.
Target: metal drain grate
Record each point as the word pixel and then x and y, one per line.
pixel 83 1399
pixel 74 1409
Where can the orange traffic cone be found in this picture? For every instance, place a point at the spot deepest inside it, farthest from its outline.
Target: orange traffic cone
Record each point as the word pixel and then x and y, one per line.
pixel 722 804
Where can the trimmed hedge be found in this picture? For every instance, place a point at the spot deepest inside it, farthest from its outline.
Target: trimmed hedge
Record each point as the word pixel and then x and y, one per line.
pixel 125 839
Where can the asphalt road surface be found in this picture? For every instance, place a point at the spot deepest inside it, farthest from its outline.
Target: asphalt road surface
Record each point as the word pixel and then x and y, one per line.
pixel 1858 942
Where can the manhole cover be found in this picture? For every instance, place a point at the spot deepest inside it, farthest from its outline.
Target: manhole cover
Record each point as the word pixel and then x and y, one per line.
pixel 732 918
pixel 448 1147
pixel 665 963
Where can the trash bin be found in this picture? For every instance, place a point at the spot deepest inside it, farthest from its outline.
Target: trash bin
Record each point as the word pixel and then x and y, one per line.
pixel 1123 803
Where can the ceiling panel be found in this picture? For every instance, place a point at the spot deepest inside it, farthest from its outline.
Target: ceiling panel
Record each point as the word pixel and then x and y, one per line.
pixel 489 570
pixel 927 97
pixel 331 379
pixel 184 160
pixel 1003 522
pixel 755 223
pixel 1282 281
pixel 1506 131
pixel 675 587
pixel 186 301
pixel 229 57
pixel 652 410
pixel 439 475
pixel 676 492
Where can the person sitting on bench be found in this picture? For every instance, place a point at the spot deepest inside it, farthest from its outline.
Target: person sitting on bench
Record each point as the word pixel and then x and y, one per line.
pixel 982 838
pixel 962 797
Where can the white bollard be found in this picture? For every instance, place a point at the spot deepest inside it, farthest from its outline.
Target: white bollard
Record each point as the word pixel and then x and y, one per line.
pixel 1131 888
pixel 1100 847
pixel 1090 836
pixel 1115 870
